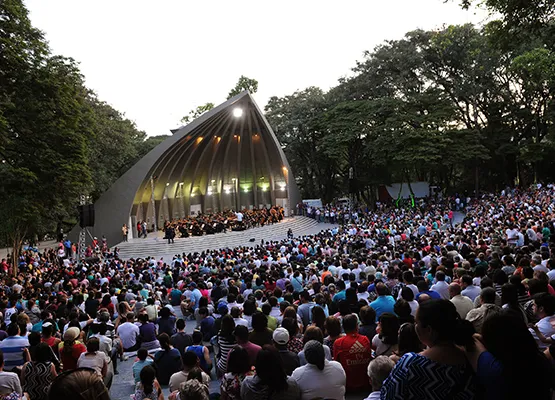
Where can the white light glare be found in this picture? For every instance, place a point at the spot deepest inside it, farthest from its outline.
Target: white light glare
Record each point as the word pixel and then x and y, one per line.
pixel 237 112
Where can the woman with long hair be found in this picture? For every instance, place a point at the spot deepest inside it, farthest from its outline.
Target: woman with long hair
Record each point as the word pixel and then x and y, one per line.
pixel 38 374
pixel 442 365
pixel 148 387
pixel 333 331
pixel 408 342
pixel 238 369
pixel 505 355
pixel 270 381
pixel 318 317
pixel 226 341
pixel 385 341
pixel 70 349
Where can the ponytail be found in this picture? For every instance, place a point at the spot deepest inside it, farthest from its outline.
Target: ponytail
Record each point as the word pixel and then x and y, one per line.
pixel 68 346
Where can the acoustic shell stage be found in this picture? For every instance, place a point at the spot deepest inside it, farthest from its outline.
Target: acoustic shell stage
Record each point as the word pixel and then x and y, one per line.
pixel 228 158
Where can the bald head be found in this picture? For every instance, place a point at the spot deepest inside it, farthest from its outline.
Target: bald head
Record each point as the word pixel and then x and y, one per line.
pixel 454 289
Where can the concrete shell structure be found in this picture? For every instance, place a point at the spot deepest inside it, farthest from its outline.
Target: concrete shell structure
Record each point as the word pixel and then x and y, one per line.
pixel 228 158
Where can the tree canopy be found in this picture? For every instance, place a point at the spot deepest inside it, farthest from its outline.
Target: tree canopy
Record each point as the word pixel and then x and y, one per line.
pixel 243 84
pixel 57 139
pixel 455 107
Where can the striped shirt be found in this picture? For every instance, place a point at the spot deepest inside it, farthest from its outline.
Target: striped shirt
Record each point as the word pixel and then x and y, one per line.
pixel 13 347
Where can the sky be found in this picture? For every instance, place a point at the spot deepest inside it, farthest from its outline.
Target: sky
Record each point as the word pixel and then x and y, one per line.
pixel 156 60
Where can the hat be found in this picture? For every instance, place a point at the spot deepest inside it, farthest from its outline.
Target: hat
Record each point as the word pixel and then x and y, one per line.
pixel 209 285
pixel 72 333
pixel 281 336
pixel 314 353
pixel 192 284
pixel 46 324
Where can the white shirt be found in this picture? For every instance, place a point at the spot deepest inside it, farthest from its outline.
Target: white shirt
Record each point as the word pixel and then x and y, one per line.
pixel 328 383
pixel 374 396
pixel 442 288
pixel 241 321
pixel 546 326
pixel 413 307
pixel 95 362
pixel 128 333
pixel 463 305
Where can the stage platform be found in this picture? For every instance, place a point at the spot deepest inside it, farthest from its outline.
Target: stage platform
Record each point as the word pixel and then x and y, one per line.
pixel 155 246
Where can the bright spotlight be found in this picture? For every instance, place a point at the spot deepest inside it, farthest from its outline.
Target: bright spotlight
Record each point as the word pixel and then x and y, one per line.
pixel 237 112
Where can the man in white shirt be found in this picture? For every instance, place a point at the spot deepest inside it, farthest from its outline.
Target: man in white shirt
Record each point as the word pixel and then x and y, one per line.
pixel 128 333
pixel 462 303
pixel 441 286
pixel 544 309
pixel 468 289
pixel 378 371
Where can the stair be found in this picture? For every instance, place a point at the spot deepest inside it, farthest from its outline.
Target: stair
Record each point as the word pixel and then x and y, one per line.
pixel 155 246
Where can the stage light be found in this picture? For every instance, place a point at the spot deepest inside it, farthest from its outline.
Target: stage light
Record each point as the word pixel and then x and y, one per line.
pixel 213 180
pixel 227 191
pixel 237 112
pixel 167 184
pixel 209 193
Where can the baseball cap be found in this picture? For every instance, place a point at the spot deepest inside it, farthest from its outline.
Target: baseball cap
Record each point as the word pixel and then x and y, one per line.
pixel 281 336
pixel 46 324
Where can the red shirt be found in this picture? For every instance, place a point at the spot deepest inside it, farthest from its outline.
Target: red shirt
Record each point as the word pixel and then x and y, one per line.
pixel 70 360
pixel 354 352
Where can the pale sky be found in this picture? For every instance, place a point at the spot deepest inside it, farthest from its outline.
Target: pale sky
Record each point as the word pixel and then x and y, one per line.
pixel 156 60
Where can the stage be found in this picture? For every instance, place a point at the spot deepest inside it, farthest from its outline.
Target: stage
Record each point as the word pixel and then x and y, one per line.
pixel 155 246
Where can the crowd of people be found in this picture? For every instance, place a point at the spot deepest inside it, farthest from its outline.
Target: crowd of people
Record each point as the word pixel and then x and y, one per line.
pixel 211 223
pixel 395 304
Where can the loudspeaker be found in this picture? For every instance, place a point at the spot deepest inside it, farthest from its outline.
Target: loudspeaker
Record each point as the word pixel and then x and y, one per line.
pixel 86 215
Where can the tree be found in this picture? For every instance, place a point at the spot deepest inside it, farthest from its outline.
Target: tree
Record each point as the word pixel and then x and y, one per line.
pixel 197 112
pixel 243 84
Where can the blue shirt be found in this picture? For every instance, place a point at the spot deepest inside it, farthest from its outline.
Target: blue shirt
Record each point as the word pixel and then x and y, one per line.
pixel 339 296
pixel 195 297
pixel 138 366
pixel 13 347
pixel 383 304
pixel 433 294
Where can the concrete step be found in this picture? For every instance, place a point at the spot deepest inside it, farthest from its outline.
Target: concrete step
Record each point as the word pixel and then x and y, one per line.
pixel 156 246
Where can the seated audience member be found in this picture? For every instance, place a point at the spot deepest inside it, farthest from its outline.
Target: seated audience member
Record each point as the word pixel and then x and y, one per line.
pixel 378 370
pixel 319 377
pixel 354 352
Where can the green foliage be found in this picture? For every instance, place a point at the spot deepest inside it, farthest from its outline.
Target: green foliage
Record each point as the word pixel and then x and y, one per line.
pixel 197 112
pixel 57 140
pixel 453 107
pixel 243 84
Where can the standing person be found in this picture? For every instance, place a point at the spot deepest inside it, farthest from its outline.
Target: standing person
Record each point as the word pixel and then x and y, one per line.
pixel 38 374
pixel 319 378
pixel 442 365
pixel 125 232
pixel 354 352
pixel 271 381
pixel 167 360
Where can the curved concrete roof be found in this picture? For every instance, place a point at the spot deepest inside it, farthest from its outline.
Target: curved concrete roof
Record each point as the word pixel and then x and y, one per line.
pixel 220 160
